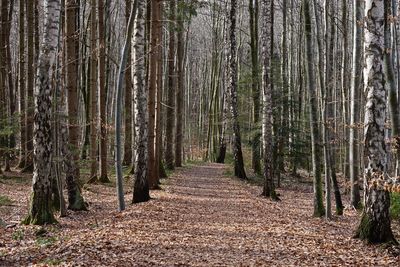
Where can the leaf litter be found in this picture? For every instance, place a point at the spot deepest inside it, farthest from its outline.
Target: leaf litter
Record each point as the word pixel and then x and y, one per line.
pixel 200 218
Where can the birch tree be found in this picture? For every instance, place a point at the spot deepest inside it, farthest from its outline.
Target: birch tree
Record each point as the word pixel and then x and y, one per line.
pixel 375 222
pixel 40 210
pixel 141 185
pixel 266 43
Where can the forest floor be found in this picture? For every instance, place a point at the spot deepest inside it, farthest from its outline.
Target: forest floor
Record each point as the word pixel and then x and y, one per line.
pixel 201 217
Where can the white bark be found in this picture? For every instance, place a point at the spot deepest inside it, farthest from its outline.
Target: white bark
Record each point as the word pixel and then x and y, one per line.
pixel 141 186
pixel 40 209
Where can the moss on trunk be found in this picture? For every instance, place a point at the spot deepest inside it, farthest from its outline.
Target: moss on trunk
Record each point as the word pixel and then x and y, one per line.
pixel 40 210
pixel 374 231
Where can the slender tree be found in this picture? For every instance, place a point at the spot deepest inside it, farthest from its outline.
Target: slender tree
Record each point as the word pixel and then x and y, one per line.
pixel 118 112
pixel 30 84
pixel 315 135
pixel 102 92
pixel 141 184
pixel 128 100
pixel 93 92
pixel 180 86
pixel 233 76
pixel 21 82
pixel 354 105
pixel 169 151
pixel 266 43
pixel 255 84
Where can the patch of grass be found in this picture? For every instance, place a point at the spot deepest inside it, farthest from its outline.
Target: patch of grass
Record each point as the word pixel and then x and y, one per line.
pixel 45 241
pixel 51 262
pixel 395 205
pixel 257 180
pixel 18 235
pixel 5 201
pixel 15 179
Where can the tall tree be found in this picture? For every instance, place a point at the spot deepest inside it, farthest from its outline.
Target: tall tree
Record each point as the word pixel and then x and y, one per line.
pixel 354 105
pixel 315 134
pixel 93 92
pixel 141 184
pixel 169 151
pixel 255 84
pixel 71 152
pixel 233 76
pixel 40 210
pixel 21 82
pixel 152 87
pixel 102 92
pixel 3 76
pixel 30 84
pixel 375 222
pixel 180 86
pixel 266 43
pixel 128 100
pixel 118 110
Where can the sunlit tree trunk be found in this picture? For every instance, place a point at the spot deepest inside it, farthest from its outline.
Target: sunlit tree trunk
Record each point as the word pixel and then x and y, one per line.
pixel 40 211
pixel 375 222
pixel 141 185
pixel 122 69
pixel 266 43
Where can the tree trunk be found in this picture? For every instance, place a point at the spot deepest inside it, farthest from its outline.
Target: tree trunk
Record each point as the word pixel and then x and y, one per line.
pixel 255 84
pixel 319 210
pixel 233 75
pixel 354 105
pixel 30 83
pixel 71 145
pixel 128 101
pixel 93 92
pixel 266 44
pixel 118 112
pixel 169 151
pixel 180 89
pixel 375 222
pixel 40 210
pixel 21 84
pixel 141 185
pixel 103 95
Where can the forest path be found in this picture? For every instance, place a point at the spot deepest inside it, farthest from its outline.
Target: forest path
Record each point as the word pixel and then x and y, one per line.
pixel 200 218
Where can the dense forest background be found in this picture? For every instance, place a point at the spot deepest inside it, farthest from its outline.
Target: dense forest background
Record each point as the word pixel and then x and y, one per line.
pixel 286 93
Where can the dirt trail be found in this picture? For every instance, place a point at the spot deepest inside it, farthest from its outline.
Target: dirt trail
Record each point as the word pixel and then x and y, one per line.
pixel 202 218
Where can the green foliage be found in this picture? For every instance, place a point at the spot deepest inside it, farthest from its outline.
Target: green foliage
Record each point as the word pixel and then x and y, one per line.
pixel 45 241
pixel 18 235
pixel 395 206
pixel 52 262
pixel 5 201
